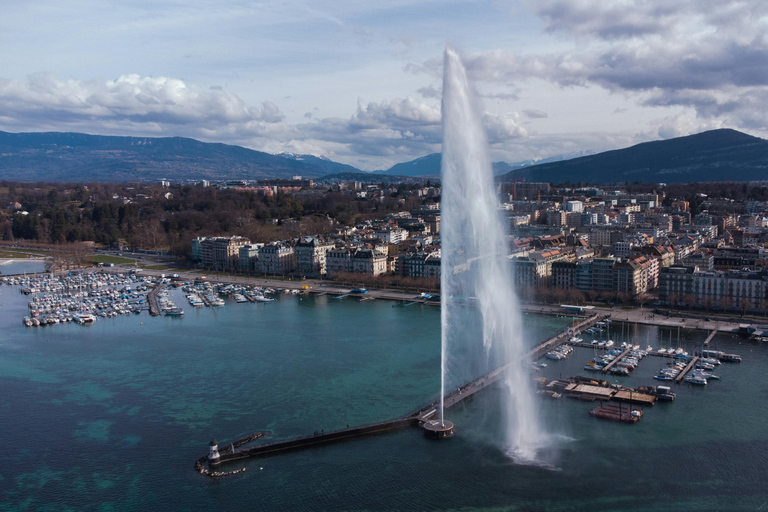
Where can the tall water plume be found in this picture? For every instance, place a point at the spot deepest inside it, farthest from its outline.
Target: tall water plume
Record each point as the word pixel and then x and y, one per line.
pixel 480 316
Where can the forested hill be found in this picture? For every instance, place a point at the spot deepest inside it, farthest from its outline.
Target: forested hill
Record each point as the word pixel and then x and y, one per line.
pixel 77 157
pixel 717 155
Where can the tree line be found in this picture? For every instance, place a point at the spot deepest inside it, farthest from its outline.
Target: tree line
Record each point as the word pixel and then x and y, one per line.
pixel 151 217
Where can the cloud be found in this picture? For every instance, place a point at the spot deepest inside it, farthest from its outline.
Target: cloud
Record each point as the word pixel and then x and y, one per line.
pixel 130 99
pixel 502 128
pixel 534 114
pixel 706 55
pixel 618 19
pixel 431 91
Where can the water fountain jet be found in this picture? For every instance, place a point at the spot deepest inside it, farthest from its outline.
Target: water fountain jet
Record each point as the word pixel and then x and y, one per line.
pixel 481 326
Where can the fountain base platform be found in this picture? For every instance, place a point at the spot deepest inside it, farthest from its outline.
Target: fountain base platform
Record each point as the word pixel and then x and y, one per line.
pixel 436 429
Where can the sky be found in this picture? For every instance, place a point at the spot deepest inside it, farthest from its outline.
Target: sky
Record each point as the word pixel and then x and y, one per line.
pixel 359 82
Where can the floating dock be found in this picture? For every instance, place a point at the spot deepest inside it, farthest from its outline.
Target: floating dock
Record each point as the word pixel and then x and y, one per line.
pixel 616 412
pixel 634 397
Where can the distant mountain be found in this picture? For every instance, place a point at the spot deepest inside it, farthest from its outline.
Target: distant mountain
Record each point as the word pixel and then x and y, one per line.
pixel 424 166
pixel 430 165
pixel 716 155
pixel 78 157
pixel 321 163
pixel 370 178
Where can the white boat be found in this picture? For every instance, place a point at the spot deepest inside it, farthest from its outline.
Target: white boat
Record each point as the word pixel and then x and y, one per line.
pixel 262 298
pixel 575 340
pixel 608 343
pixel 695 379
pixel 84 318
pixel 557 356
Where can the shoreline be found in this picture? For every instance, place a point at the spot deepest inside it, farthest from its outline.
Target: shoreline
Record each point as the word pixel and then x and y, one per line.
pixel 640 315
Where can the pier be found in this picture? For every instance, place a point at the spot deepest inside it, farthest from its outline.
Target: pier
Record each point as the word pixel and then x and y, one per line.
pixel 610 365
pixel 561 338
pixel 691 364
pixel 709 338
pixel 414 419
pixel 154 308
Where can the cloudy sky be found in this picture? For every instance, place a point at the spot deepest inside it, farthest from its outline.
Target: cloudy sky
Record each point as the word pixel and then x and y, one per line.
pixel 359 82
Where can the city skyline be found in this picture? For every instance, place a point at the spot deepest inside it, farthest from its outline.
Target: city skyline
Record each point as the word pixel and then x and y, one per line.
pixel 361 84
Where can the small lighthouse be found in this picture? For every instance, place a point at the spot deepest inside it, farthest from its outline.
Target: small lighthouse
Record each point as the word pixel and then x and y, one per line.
pixel 214 454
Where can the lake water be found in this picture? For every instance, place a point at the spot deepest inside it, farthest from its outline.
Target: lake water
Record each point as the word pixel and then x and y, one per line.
pixel 113 416
pixel 10 267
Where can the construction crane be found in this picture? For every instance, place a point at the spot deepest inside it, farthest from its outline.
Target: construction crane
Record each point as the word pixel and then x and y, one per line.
pixel 514 187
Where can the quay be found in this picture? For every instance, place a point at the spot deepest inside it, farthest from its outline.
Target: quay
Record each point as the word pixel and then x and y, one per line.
pixel 691 364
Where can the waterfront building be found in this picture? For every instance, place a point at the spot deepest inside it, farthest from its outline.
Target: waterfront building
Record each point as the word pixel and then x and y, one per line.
pixel 369 261
pixel 249 257
pixel 277 258
pixel 420 264
pixel 197 248
pixel 338 260
pixel 311 256
pixel 735 288
pixel 220 252
pixel 564 274
pixel 602 274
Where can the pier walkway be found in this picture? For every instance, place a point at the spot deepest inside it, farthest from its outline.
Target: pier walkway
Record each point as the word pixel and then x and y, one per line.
pixel 563 337
pixel 683 373
pixel 709 338
pixel 616 360
pixel 154 308
pixel 414 419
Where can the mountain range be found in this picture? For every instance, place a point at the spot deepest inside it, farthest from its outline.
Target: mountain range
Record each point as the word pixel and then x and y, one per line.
pixel 430 165
pixel 77 157
pixel 716 155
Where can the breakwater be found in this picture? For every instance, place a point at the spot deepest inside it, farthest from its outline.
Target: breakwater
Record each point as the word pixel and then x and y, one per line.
pixel 415 419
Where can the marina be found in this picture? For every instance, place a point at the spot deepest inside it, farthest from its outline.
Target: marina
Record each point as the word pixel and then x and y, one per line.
pixel 135 384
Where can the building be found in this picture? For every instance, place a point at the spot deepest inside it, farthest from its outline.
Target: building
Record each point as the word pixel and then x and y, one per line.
pixel 369 262
pixel 602 274
pixel 556 218
pixel 420 264
pixel 249 257
pixel 338 260
pixel 395 234
pixel 311 256
pixel 219 252
pixel 564 274
pixel 636 275
pixel 277 258
pixel 714 289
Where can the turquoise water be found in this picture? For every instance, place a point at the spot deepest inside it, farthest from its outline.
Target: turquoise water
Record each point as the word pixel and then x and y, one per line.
pixel 112 417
